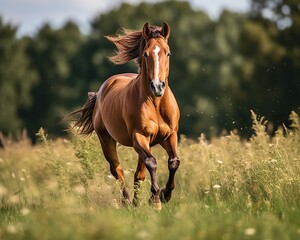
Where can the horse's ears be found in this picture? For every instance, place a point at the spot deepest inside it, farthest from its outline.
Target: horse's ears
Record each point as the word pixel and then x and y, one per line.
pixel 165 30
pixel 146 31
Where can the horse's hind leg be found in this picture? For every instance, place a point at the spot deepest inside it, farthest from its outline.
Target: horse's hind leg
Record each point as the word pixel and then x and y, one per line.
pixel 170 145
pixel 109 149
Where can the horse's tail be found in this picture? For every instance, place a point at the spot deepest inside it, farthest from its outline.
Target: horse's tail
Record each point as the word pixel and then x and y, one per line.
pixel 85 121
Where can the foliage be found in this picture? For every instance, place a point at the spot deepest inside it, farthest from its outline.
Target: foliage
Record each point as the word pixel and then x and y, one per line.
pixel 52 53
pixel 220 69
pixel 88 153
pixel 225 189
pixel 16 80
pixel 281 20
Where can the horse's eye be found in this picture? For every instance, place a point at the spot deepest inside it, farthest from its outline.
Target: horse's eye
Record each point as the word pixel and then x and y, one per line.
pixel 169 54
pixel 146 54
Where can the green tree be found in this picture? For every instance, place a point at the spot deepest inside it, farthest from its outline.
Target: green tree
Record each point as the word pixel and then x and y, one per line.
pixel 52 54
pixel 280 21
pixel 16 80
pixel 190 43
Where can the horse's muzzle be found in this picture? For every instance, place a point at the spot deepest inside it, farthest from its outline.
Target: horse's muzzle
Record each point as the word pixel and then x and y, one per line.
pixel 157 88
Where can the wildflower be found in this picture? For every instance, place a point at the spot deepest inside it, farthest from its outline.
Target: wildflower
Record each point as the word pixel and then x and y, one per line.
pixel 220 162
pixel 217 186
pixel 11 229
pixel 14 199
pixel 25 211
pixel 249 231
pixel 79 189
pixel 142 235
pixel 3 191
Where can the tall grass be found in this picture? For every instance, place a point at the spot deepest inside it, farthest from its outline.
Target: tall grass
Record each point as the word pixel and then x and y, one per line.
pixel 227 188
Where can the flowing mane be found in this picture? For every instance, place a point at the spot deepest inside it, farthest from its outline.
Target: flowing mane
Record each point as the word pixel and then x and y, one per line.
pixel 130 44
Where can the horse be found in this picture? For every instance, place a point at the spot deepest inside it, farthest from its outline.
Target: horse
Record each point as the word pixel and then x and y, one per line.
pixel 137 110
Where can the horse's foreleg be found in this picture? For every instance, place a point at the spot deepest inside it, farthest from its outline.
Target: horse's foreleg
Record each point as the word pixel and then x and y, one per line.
pixel 108 145
pixel 142 147
pixel 170 145
pixel 166 193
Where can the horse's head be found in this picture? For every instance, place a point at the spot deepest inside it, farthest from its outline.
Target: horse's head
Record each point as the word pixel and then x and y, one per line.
pixel 156 56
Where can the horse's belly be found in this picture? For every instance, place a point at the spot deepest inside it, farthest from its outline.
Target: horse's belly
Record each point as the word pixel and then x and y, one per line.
pixel 123 139
pixel 118 131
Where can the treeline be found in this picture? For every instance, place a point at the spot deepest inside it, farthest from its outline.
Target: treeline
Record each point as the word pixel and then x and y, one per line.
pixel 220 69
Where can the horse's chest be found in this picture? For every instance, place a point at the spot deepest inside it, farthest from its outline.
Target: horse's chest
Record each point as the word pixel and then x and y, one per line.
pixel 164 129
pixel 157 130
pixel 158 124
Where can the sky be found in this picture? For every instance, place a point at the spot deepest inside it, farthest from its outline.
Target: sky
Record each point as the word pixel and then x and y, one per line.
pixel 30 15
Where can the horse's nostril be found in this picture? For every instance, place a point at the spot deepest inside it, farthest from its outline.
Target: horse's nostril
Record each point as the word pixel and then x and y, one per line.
pixel 163 85
pixel 152 85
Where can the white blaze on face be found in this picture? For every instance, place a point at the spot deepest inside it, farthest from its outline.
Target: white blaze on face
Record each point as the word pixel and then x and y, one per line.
pixel 156 70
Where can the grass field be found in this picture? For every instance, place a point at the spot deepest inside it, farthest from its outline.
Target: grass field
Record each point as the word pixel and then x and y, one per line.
pixel 225 189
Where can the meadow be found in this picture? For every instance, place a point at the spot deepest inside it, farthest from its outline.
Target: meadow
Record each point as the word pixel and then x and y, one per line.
pixel 226 188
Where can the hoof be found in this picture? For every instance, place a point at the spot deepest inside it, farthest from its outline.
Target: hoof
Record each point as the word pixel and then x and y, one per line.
pixel 157 206
pixel 164 196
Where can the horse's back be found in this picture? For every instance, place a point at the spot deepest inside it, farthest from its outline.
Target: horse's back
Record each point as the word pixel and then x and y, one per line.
pixel 115 83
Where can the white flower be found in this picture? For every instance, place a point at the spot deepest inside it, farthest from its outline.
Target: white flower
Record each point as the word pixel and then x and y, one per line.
pixel 79 189
pixel 249 231
pixel 220 162
pixel 25 211
pixel 217 186
pixel 142 235
pixel 11 229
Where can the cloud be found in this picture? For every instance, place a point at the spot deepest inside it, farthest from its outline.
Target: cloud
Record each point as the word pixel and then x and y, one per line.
pixel 31 14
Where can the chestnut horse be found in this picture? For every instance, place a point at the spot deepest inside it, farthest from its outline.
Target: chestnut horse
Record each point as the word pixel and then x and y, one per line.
pixel 137 110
